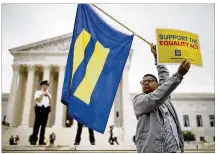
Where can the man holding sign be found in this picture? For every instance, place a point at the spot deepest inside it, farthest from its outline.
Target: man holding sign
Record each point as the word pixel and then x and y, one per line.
pixel 158 128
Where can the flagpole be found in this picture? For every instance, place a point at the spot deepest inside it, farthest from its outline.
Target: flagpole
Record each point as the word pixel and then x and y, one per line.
pixel 122 25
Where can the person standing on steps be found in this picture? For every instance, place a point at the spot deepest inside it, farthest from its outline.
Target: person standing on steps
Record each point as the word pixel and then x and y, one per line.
pixel 42 109
pixel 79 132
pixel 52 138
pixel 115 135
pixel 111 135
pixel 11 140
pixel 17 139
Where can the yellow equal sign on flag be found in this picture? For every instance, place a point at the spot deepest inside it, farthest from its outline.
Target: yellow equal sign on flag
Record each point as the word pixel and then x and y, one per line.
pixel 79 49
pixel 94 66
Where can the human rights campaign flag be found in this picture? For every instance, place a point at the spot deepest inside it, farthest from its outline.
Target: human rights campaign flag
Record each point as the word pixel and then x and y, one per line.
pixel 94 68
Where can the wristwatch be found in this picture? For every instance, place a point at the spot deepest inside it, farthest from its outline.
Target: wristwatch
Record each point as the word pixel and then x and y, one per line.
pixel 155 63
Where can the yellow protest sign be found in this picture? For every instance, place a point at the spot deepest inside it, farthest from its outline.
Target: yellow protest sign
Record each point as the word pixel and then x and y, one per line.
pixel 175 45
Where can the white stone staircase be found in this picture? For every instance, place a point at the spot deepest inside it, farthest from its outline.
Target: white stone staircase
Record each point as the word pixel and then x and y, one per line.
pixel 83 149
pixel 64 136
pixel 74 149
pixel 65 139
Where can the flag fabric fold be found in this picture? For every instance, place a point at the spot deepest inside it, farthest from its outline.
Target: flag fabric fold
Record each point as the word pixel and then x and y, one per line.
pixel 94 67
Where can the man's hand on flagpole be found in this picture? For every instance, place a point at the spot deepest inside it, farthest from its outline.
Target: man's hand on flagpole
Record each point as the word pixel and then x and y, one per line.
pixel 153 50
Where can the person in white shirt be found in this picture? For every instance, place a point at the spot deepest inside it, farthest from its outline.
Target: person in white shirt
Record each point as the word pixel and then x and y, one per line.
pixel 42 109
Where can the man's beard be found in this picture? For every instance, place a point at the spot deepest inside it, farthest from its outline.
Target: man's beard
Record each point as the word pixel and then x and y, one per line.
pixel 147 92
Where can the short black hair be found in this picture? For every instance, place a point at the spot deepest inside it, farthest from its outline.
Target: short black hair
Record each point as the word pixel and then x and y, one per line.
pixel 151 76
pixel 45 82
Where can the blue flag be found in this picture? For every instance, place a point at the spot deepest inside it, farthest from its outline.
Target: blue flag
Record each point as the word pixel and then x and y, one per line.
pixel 95 63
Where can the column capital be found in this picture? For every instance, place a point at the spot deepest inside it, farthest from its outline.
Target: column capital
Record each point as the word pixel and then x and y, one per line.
pixel 31 67
pixel 61 67
pixel 22 69
pixel 16 67
pixel 44 67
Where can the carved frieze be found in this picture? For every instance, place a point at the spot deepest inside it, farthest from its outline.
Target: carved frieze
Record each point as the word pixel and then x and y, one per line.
pixel 57 45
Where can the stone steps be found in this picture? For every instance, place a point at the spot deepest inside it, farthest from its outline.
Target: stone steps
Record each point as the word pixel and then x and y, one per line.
pixel 64 136
pixel 84 149
pixel 70 148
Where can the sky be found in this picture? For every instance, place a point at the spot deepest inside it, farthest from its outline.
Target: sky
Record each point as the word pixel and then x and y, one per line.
pixel 27 23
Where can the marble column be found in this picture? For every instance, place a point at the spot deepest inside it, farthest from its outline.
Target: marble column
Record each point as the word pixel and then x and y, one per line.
pixel 53 92
pixel 28 96
pixel 35 85
pixel 118 114
pixel 19 98
pixel 46 72
pixel 128 113
pixel 59 106
pixel 12 97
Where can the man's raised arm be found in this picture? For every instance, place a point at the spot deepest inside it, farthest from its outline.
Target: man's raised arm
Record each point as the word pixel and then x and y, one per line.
pixel 163 72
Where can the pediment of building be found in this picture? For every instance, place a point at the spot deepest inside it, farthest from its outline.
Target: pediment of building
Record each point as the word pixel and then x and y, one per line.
pixel 60 43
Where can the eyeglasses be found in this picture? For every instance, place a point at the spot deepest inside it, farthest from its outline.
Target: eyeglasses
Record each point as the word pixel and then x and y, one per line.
pixel 146 81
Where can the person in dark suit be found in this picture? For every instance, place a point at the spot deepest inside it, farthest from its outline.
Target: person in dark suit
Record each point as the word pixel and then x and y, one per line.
pixel 17 139
pixel 79 132
pixel 111 135
pixel 11 140
pixel 52 138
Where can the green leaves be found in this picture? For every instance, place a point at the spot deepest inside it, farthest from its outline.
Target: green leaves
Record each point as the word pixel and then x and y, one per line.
pixel 188 136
